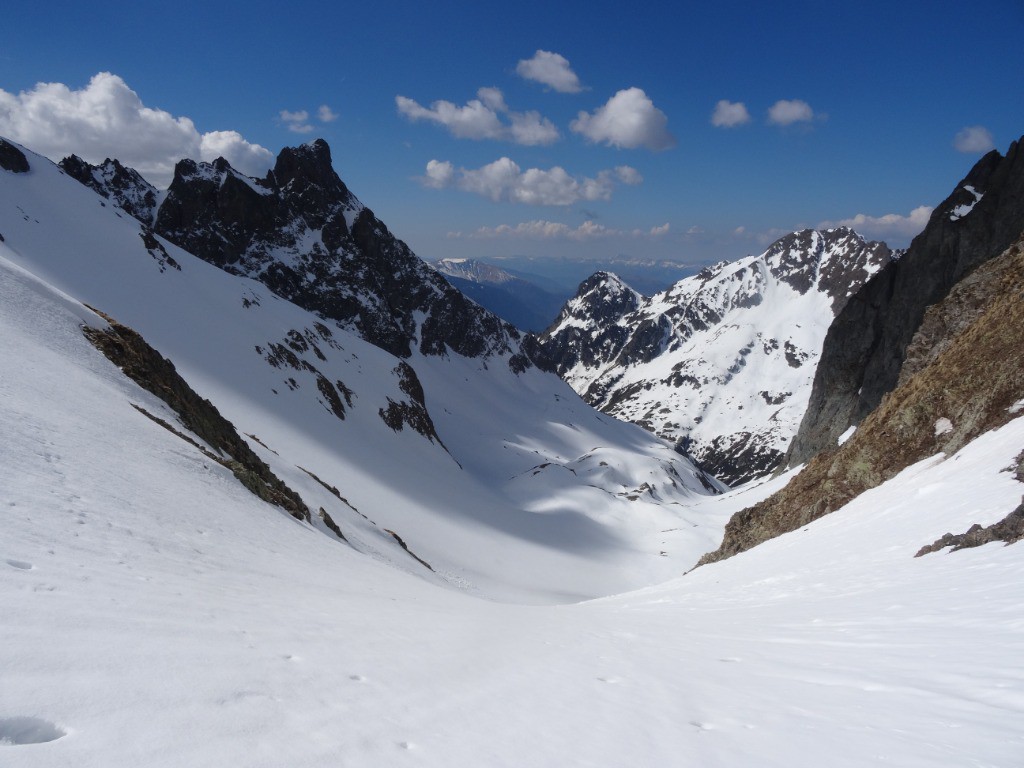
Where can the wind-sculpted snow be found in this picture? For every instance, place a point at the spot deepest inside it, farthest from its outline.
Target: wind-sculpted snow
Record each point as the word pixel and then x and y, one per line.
pixel 722 362
pixel 434 448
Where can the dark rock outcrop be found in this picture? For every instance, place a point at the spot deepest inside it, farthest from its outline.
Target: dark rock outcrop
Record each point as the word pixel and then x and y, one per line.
pixel 156 374
pixel 12 159
pixel 1009 530
pixel 974 384
pixel 866 345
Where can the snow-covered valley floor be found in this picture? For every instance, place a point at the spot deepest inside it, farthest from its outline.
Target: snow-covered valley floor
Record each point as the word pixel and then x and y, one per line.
pixel 152 613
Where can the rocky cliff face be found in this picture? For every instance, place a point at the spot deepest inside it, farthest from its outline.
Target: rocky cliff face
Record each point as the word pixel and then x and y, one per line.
pixel 969 379
pixel 301 232
pixel 866 345
pixel 722 362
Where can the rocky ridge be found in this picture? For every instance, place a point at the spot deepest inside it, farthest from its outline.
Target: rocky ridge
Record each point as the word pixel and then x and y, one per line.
pixel 302 233
pixel 865 348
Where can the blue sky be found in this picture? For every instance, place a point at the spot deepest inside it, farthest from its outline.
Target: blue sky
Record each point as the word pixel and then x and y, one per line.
pixel 873 97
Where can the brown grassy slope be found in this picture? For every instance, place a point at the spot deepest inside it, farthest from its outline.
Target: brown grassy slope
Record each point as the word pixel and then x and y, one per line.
pixel 969 375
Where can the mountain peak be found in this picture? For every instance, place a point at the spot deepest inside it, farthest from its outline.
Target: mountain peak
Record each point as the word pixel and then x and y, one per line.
pixel 738 340
pixel 308 163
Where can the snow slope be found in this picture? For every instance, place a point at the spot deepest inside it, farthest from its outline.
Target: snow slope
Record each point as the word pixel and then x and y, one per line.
pixel 722 362
pixel 155 613
pixel 526 493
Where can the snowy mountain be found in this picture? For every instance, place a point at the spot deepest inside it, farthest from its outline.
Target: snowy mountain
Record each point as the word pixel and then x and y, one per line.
pixel 159 612
pixel 526 305
pixel 487 468
pixel 722 362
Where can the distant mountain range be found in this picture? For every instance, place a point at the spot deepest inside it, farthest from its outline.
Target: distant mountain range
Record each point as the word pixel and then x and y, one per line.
pixel 524 302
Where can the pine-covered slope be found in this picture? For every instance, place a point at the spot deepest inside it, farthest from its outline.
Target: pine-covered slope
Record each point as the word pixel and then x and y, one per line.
pixel 722 362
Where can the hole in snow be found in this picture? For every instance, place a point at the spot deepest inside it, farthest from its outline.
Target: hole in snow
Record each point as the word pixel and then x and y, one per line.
pixel 20 564
pixel 27 730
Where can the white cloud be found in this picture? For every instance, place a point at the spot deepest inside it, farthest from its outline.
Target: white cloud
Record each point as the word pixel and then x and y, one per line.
pixel 729 114
pixel 480 118
pixel 530 129
pixel 628 175
pixel 439 175
pixel 106 118
pixel 504 180
pixel 787 112
pixel 326 114
pixel 474 121
pixel 974 139
pixel 628 120
pixel 889 226
pixel 551 69
pixel 493 98
pixel 659 231
pixel 296 121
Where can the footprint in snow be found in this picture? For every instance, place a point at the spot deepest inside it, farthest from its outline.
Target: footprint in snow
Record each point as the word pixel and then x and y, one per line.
pixel 21 565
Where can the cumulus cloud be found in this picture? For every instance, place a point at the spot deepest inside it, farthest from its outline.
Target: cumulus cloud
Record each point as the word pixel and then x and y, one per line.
pixel 504 180
pixel 974 139
pixel 296 121
pixel 729 114
pixel 439 175
pixel 628 175
pixel 481 118
pixel 326 114
pixel 551 69
pixel 890 226
pixel 106 118
pixel 787 112
pixel 628 120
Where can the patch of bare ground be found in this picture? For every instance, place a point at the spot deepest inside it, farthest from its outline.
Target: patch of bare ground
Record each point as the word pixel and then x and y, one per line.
pixel 156 374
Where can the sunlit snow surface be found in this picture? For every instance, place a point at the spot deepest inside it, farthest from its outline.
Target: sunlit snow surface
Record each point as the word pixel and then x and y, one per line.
pixel 155 614
pixel 537 498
